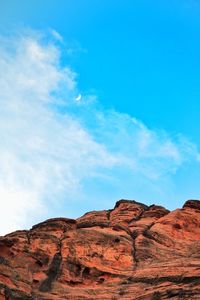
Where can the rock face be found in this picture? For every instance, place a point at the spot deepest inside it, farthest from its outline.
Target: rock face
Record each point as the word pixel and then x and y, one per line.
pixel 130 252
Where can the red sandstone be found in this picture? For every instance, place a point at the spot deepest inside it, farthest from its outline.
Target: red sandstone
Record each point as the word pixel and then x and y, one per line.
pixel 130 252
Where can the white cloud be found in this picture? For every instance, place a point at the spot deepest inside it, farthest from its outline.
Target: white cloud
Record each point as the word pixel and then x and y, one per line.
pixel 153 153
pixel 49 145
pixel 43 154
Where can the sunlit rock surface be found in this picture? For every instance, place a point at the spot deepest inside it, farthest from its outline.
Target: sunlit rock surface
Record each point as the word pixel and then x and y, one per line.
pixel 133 251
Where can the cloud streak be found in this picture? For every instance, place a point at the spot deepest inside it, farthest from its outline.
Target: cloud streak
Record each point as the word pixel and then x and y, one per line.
pixel 50 146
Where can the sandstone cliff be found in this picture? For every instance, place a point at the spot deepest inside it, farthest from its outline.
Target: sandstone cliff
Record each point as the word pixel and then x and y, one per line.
pixel 130 252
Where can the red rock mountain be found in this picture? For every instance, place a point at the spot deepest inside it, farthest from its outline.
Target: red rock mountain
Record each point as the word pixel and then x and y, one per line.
pixel 133 251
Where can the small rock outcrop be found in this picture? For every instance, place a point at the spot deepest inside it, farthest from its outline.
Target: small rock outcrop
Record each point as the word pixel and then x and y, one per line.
pixel 133 251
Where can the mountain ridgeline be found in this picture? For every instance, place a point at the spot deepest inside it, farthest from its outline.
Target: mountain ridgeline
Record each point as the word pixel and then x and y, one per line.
pixel 132 251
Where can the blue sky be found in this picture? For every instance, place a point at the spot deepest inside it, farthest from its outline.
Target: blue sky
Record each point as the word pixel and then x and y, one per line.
pixel 137 66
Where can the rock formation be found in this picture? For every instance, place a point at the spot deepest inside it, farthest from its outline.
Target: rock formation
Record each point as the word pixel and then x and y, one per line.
pixel 133 251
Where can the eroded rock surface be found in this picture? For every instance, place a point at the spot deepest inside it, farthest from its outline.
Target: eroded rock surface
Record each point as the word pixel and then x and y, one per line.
pixel 133 251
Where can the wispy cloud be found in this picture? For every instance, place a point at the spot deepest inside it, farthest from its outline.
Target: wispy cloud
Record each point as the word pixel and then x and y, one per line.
pixel 154 153
pixel 43 154
pixel 50 144
pixel 57 35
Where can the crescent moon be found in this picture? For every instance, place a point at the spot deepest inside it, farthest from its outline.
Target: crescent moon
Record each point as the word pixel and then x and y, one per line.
pixel 78 98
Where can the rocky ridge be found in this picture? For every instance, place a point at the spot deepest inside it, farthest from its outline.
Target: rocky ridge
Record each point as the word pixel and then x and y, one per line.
pixel 133 252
